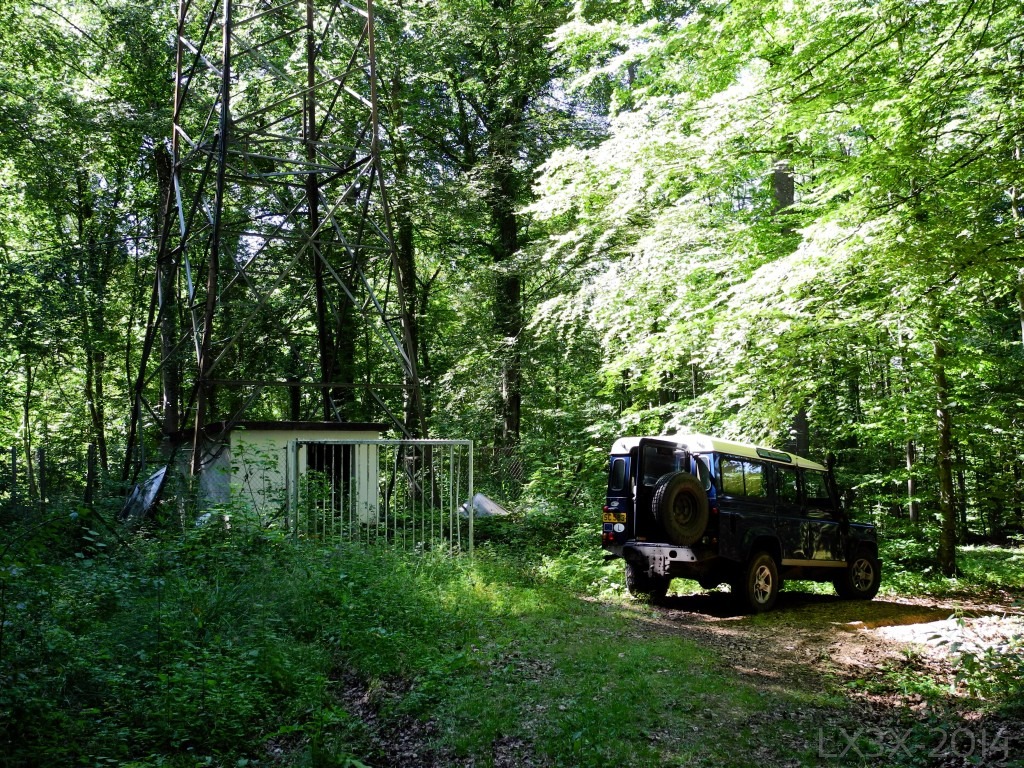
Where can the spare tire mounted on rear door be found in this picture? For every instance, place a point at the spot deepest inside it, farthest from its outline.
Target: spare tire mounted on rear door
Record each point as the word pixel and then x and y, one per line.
pixel 681 506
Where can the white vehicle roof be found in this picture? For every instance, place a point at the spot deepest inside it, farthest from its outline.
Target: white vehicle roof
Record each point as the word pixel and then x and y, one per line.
pixel 696 443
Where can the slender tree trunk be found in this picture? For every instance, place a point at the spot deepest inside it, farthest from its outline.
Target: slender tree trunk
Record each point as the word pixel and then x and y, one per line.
pixel 341 363
pixel 801 433
pixel 406 248
pixel 26 431
pixel 94 375
pixel 1018 500
pixel 92 275
pixel 1020 303
pixel 982 479
pixel 167 274
pixel 912 503
pixel 1015 197
pixel 295 391
pixel 423 344
pixel 961 493
pixel 784 195
pixel 508 308
pixel 325 339
pixel 783 188
pixel 944 422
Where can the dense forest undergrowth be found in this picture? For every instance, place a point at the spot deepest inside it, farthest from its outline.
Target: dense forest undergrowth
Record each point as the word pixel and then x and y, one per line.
pixel 241 647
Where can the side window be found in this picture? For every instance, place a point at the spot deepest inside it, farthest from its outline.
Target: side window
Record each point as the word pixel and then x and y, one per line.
pixel 753 477
pixel 786 485
pixel 816 489
pixel 732 477
pixel 743 478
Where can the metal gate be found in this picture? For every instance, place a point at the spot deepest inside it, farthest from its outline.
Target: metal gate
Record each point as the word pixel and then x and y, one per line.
pixel 413 494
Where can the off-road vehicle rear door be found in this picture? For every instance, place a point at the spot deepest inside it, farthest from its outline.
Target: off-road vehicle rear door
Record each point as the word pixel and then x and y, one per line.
pixel 655 458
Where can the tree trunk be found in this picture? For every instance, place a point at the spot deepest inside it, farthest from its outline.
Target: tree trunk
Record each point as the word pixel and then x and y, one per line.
pixel 26 431
pixel 944 422
pixel 508 309
pixel 800 434
pixel 294 390
pixel 1015 196
pixel 406 251
pixel 961 493
pixel 913 505
pixel 1020 303
pixel 92 275
pixel 167 275
pixel 325 339
pixel 1018 498
pixel 784 195
pixel 783 188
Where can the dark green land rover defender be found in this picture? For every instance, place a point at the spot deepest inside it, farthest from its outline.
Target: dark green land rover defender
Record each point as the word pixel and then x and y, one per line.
pixel 718 511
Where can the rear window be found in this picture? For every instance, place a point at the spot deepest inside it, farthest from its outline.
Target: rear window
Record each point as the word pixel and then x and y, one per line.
pixel 617 475
pixel 658 460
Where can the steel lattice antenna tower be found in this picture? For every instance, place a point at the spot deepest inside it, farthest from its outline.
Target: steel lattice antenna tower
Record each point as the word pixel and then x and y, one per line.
pixel 278 252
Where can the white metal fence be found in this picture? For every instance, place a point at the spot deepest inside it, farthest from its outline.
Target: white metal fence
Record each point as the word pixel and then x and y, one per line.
pixel 410 493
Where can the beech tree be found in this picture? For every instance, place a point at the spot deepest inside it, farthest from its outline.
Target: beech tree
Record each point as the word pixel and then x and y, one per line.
pixel 475 116
pixel 893 121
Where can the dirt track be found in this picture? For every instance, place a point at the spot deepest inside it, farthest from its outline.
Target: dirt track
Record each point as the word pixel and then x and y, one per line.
pixel 810 636
pixel 808 643
pixel 820 643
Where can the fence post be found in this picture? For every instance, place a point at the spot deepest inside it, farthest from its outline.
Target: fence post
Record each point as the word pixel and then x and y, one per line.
pixel 291 474
pixel 472 512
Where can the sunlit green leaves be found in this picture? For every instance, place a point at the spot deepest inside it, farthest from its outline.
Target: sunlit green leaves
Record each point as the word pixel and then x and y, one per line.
pixel 897 123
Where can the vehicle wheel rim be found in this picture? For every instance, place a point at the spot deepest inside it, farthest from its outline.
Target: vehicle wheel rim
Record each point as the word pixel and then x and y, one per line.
pixel 763 584
pixel 682 511
pixel 863 574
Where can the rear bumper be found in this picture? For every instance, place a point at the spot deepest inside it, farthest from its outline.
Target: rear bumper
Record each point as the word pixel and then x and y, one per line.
pixel 661 559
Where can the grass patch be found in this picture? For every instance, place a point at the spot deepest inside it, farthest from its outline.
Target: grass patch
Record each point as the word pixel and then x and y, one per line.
pixel 219 647
pixel 216 647
pixel 994 568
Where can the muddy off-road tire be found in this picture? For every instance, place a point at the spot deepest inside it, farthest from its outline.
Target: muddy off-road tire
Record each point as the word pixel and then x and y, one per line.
pixel 861 579
pixel 758 589
pixel 681 506
pixel 639 583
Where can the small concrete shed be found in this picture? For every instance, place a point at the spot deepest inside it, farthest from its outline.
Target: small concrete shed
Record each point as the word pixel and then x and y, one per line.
pixel 248 461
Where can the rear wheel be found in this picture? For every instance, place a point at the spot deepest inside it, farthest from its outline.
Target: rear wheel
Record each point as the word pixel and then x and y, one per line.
pixel 681 506
pixel 640 583
pixel 861 579
pixel 759 587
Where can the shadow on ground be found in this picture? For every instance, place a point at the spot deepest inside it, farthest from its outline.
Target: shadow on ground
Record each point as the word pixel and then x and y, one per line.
pixel 808 607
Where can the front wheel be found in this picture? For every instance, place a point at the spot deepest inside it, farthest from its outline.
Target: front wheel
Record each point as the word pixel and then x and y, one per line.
pixel 640 583
pixel 760 585
pixel 861 579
